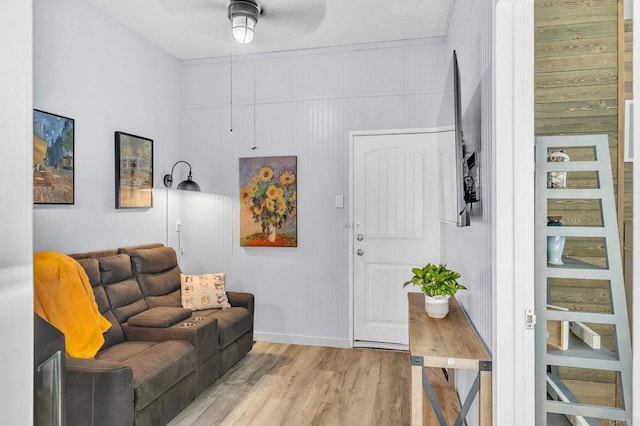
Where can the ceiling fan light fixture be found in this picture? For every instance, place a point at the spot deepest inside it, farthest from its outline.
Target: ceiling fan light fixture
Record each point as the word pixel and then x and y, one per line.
pixel 242 28
pixel 244 17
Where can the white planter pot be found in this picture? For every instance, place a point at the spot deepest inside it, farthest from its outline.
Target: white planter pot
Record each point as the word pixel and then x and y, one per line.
pixel 436 306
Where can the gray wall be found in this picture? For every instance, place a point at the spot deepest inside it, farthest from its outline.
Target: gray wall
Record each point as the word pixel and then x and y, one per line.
pixel 89 67
pixel 306 104
pixel 16 276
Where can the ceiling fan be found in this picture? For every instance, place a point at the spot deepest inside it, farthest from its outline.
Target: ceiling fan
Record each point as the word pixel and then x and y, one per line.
pixel 279 20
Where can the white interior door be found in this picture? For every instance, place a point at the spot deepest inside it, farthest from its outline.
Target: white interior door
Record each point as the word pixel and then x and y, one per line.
pixel 396 227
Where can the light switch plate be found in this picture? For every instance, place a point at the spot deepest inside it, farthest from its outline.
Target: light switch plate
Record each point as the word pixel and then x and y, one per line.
pixel 339 201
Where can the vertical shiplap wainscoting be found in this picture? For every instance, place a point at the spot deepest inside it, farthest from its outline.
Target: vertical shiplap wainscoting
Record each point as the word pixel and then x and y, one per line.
pixel 471 250
pixel 306 103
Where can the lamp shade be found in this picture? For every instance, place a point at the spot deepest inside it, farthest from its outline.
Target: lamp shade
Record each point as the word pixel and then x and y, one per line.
pixel 242 28
pixel 243 15
pixel 188 185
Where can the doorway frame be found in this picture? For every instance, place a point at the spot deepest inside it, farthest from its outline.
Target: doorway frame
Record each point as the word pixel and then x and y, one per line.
pixel 350 224
pixel 513 345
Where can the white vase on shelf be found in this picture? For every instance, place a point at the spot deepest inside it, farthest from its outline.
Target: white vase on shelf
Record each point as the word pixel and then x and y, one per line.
pixel 555 245
pixel 436 306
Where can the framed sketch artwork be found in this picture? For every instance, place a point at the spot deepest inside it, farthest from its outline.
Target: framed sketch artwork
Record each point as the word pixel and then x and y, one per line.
pixel 53 160
pixel 134 171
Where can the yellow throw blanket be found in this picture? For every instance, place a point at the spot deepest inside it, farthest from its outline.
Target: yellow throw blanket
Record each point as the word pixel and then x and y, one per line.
pixel 64 297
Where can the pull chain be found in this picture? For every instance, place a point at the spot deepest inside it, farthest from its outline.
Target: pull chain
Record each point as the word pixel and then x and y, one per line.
pixel 231 85
pixel 254 95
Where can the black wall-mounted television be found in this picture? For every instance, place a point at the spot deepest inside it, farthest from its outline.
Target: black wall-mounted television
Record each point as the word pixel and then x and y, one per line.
pixel 463 218
pixel 460 188
pixel 451 115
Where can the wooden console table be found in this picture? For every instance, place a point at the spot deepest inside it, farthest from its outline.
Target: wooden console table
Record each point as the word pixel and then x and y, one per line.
pixel 450 343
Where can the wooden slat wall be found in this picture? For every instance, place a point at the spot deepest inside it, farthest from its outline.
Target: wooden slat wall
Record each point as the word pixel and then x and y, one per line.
pixel 576 68
pixel 576 92
pixel 628 168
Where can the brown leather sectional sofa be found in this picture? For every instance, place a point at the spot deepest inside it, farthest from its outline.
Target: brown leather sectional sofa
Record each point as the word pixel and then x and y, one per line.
pixel 157 356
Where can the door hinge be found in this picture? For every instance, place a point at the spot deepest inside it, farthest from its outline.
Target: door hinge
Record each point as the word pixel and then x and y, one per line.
pixel 529 319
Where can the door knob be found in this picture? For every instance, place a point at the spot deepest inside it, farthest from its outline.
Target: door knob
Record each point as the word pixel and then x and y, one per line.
pixel 359 237
pixel 359 252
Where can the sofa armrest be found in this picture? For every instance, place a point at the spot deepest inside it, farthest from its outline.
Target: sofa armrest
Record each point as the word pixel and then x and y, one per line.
pixel 159 317
pixel 98 392
pixel 189 330
pixel 202 334
pixel 242 299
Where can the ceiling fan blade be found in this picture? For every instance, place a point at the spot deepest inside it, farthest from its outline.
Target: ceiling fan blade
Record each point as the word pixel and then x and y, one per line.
pixel 191 7
pixel 292 19
pixel 200 18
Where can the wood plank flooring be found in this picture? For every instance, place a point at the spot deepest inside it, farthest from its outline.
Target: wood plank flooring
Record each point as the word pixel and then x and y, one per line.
pixel 280 384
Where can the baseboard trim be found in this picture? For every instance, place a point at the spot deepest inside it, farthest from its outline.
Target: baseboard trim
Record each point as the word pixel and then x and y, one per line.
pixel 380 345
pixel 294 339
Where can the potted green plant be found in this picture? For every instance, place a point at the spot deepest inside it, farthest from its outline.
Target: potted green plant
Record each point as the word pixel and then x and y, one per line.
pixel 438 284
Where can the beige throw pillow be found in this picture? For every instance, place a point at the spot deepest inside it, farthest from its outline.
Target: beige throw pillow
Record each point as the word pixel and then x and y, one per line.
pixel 204 291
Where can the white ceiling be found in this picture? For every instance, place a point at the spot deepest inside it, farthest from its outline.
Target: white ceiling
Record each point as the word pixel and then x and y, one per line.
pixel 200 28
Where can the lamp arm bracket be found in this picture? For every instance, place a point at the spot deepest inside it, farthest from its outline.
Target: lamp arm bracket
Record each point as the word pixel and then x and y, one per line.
pixel 168 178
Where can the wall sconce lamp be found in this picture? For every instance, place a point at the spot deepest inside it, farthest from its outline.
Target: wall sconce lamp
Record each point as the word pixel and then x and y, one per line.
pixel 185 185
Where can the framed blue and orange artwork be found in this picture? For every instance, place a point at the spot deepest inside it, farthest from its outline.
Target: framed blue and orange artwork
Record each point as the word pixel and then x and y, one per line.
pixel 53 165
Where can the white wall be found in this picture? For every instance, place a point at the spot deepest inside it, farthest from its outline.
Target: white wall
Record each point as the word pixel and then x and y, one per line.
pixel 90 68
pixel 16 277
pixel 470 250
pixel 306 104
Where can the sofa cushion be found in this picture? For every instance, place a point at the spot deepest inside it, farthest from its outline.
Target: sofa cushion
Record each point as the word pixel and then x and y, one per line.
pixel 121 287
pixel 153 260
pixel 158 274
pixel 159 317
pixel 115 268
pixel 115 334
pixel 156 366
pixel 94 254
pixel 139 247
pixel 92 268
pixel 203 291
pixel 232 323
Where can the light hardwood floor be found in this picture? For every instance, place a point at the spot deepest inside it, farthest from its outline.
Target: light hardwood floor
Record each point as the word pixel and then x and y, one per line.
pixel 279 384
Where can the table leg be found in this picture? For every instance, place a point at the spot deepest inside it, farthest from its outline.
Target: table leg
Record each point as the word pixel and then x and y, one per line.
pixel 416 395
pixel 485 405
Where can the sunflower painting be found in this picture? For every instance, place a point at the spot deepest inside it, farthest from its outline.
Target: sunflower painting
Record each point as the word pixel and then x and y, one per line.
pixel 268 202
